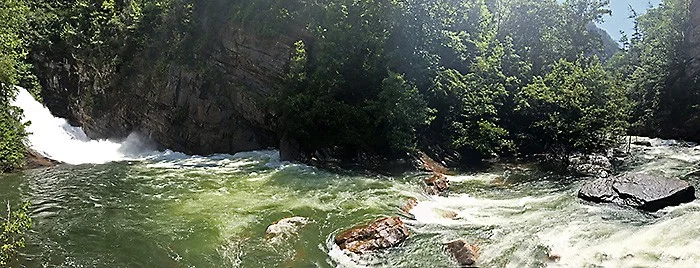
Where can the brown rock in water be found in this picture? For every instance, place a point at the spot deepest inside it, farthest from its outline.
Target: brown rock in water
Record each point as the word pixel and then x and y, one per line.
pixel 447 214
pixel 34 159
pixel 437 184
pixel 466 254
pixel 499 181
pixel 412 203
pixel 429 164
pixel 383 233
pixel 553 257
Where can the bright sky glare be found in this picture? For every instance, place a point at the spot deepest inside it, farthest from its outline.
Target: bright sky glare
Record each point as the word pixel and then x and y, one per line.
pixel 620 21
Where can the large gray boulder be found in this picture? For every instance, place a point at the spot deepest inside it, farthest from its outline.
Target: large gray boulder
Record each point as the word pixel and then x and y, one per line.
pixel 642 191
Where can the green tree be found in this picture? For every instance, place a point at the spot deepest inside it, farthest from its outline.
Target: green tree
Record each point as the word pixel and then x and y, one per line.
pixel 12 54
pixel 13 226
pixel 577 107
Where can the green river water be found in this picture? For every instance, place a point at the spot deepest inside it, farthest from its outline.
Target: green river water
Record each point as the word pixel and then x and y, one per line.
pixel 213 212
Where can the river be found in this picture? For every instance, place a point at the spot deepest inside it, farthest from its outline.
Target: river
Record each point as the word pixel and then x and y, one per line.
pixel 121 204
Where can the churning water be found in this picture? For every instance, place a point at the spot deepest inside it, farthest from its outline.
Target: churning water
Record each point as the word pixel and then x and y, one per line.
pixel 155 209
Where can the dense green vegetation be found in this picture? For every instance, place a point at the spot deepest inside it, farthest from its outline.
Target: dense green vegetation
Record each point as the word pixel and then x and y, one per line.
pixel 13 225
pixel 652 66
pixel 462 79
pixel 474 78
pixel 12 70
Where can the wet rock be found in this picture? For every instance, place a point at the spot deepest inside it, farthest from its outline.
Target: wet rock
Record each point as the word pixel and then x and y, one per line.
pixel 290 150
pixel 34 159
pixel 642 191
pixel 593 165
pixel 642 143
pixel 383 233
pixel 285 228
pixel 553 257
pixel 427 163
pixel 466 254
pixel 447 214
pixel 437 184
pixel 499 181
pixel 412 203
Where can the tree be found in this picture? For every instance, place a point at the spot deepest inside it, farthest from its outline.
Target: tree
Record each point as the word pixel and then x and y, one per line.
pixel 13 226
pixel 576 107
pixel 12 133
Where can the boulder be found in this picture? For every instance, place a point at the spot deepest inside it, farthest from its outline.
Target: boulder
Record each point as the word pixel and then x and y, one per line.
pixel 410 204
pixel 285 228
pixel 642 191
pixel 447 214
pixel 642 143
pixel 427 163
pixel 592 165
pixel 437 184
pixel 383 233
pixel 466 254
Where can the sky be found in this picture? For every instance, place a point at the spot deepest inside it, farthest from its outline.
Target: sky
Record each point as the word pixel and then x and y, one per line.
pixel 620 13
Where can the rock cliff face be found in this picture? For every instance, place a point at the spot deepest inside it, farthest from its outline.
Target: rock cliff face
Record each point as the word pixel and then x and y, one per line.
pixel 693 40
pixel 682 95
pixel 691 127
pixel 217 106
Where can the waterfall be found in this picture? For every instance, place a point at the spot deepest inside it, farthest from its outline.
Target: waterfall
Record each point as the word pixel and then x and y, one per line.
pixel 56 139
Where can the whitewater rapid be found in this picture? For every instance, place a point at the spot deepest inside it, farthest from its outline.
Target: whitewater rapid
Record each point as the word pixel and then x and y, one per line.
pixel 179 208
pixel 56 139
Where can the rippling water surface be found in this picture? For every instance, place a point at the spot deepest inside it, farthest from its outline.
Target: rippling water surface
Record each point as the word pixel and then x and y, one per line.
pixel 213 212
pixel 133 207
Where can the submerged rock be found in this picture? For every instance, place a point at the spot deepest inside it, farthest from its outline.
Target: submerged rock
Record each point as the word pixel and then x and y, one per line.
pixel 593 165
pixel 437 184
pixel 447 214
pixel 466 254
pixel 383 233
pixel 410 204
pixel 285 228
pixel 642 191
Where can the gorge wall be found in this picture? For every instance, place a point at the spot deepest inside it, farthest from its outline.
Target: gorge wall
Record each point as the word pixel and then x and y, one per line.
pixel 689 82
pixel 693 40
pixel 214 104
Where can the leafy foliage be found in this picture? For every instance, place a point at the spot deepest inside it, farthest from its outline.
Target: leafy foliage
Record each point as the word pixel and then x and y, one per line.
pixel 652 67
pixel 576 107
pixel 445 73
pixel 12 55
pixel 473 77
pixel 13 226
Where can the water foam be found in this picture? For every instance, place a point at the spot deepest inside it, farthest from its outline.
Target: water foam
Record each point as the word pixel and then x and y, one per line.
pixel 56 139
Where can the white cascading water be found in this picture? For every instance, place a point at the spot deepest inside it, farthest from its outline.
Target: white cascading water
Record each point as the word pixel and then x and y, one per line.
pixel 54 138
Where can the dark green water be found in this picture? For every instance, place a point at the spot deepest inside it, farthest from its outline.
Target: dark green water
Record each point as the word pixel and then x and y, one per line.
pixel 213 212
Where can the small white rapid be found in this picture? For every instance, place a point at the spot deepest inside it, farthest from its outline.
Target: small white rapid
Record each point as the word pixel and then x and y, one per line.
pixel 54 138
pixel 517 222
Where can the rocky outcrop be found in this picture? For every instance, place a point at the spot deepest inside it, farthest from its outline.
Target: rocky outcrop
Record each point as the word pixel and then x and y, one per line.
pixel 383 233
pixel 34 159
pixel 466 254
pixel 215 101
pixel 410 205
pixel 437 184
pixel 693 40
pixel 642 191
